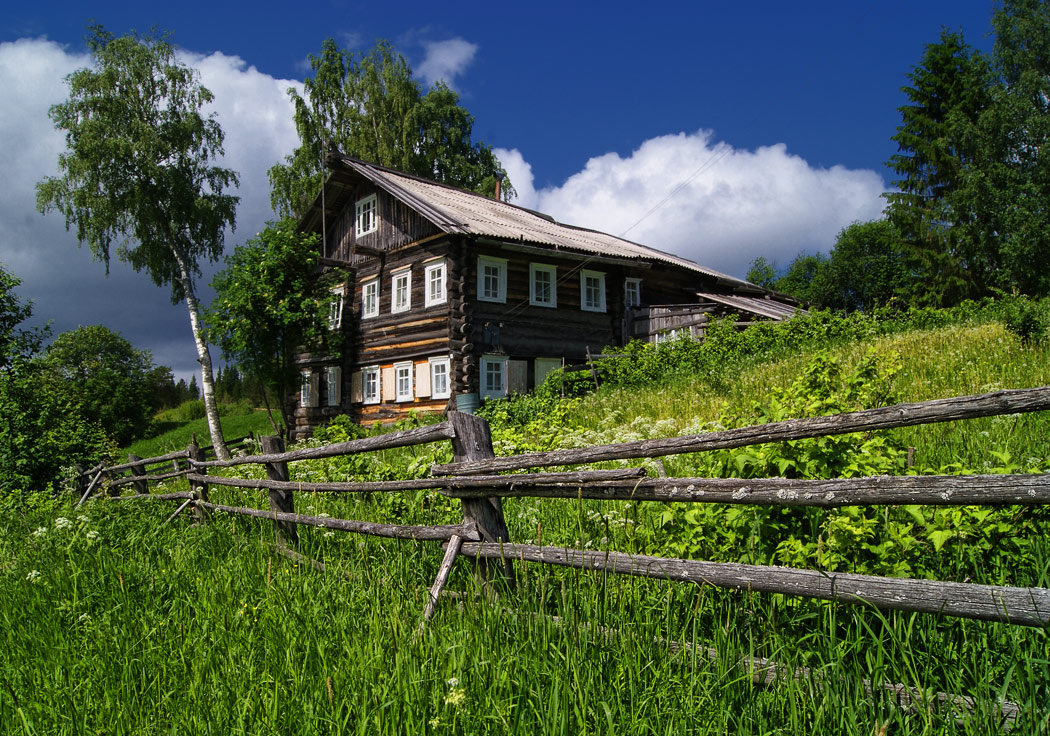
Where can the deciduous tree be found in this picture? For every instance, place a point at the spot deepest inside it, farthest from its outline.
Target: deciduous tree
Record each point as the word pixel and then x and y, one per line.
pixel 369 107
pixel 139 172
pixel 268 303
pixel 111 381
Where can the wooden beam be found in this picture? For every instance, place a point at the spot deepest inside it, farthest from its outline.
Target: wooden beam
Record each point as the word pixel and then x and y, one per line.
pixel 1020 606
pixel 901 415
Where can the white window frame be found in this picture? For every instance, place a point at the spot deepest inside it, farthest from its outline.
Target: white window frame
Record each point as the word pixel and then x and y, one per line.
pixel 501 274
pixel 401 284
pixel 373 309
pixel 632 286
pixel 334 385
pixel 552 272
pixel 585 304
pixel 429 297
pixel 445 362
pixel 490 360
pixel 307 389
pixel 371 385
pixel 335 309
pixel 403 372
pixel 366 215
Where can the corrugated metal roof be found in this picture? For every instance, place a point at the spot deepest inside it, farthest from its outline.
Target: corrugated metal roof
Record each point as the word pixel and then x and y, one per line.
pixel 763 307
pixel 458 211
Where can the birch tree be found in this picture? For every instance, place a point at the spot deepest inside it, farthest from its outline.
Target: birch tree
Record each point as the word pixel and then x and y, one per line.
pixel 138 175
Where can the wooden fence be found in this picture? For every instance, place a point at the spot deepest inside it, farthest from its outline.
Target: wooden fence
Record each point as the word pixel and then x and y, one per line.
pixel 474 478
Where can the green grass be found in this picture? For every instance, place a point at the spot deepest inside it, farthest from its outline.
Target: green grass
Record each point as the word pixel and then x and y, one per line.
pixel 176 435
pixel 204 630
pixel 115 624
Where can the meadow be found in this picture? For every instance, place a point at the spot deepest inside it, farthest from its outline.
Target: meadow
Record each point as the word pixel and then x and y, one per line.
pixel 113 623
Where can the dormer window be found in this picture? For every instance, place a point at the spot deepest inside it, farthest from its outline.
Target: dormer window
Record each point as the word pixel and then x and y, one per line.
pixel 367 220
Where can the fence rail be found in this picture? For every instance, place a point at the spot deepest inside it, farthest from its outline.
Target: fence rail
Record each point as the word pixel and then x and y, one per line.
pixel 474 479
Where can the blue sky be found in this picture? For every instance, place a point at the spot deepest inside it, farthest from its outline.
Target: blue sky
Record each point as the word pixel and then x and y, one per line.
pixel 720 133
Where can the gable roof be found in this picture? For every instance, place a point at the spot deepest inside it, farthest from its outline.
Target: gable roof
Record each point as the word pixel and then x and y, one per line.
pixel 457 211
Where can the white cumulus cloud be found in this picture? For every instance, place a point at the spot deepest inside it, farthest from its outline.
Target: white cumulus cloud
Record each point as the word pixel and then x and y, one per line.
pixel 445 60
pixel 704 200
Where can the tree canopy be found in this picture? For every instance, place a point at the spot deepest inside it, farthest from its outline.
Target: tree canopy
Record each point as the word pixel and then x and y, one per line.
pixel 43 429
pixel 269 302
pixel 974 162
pixel 113 383
pixel 368 106
pixel 866 268
pixel 139 171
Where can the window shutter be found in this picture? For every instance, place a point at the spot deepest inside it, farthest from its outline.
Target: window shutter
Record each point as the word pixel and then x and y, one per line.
pixel 315 385
pixel 517 376
pixel 389 389
pixel 423 380
pixel 357 387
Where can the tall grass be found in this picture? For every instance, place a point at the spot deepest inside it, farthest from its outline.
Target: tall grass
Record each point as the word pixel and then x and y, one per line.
pixel 203 629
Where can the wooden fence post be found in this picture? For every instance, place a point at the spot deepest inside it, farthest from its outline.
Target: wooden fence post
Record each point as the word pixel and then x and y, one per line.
pixel 201 489
pixel 141 486
pixel 473 441
pixel 280 500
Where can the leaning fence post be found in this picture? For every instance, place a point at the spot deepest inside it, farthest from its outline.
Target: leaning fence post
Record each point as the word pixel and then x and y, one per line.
pixel 200 490
pixel 141 486
pixel 280 500
pixel 473 441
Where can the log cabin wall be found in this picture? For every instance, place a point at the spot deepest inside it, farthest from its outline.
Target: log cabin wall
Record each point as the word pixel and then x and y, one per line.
pixel 397 226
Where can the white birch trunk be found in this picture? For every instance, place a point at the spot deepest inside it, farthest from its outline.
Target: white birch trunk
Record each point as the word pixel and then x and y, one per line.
pixel 211 410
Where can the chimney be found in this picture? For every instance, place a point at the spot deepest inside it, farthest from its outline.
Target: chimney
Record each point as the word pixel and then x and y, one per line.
pixel 499 186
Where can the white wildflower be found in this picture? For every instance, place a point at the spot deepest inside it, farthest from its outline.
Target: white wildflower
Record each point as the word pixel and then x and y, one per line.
pixel 84 618
pixel 33 575
pixel 83 519
pixel 63 523
pixel 40 531
pixel 452 682
pixel 93 536
pixel 329 535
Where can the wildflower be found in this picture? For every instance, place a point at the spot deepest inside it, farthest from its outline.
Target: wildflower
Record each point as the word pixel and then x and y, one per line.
pixel 84 618
pixel 63 523
pixel 329 535
pixel 40 531
pixel 83 519
pixel 456 697
pixel 452 682
pixel 33 575
pixel 93 536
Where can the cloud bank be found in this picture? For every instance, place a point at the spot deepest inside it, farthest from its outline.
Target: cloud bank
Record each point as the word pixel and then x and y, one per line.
pixel 706 201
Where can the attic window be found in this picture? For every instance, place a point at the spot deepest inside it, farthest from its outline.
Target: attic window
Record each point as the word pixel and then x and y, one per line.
pixel 367 220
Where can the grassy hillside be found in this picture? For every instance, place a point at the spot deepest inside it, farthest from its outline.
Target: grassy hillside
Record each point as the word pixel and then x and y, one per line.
pixel 174 432
pixel 205 629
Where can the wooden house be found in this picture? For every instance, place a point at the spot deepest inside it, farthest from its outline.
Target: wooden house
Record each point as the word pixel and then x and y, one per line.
pixel 446 297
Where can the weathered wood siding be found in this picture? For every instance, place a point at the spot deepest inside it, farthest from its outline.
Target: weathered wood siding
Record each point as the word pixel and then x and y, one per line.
pixel 398 225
